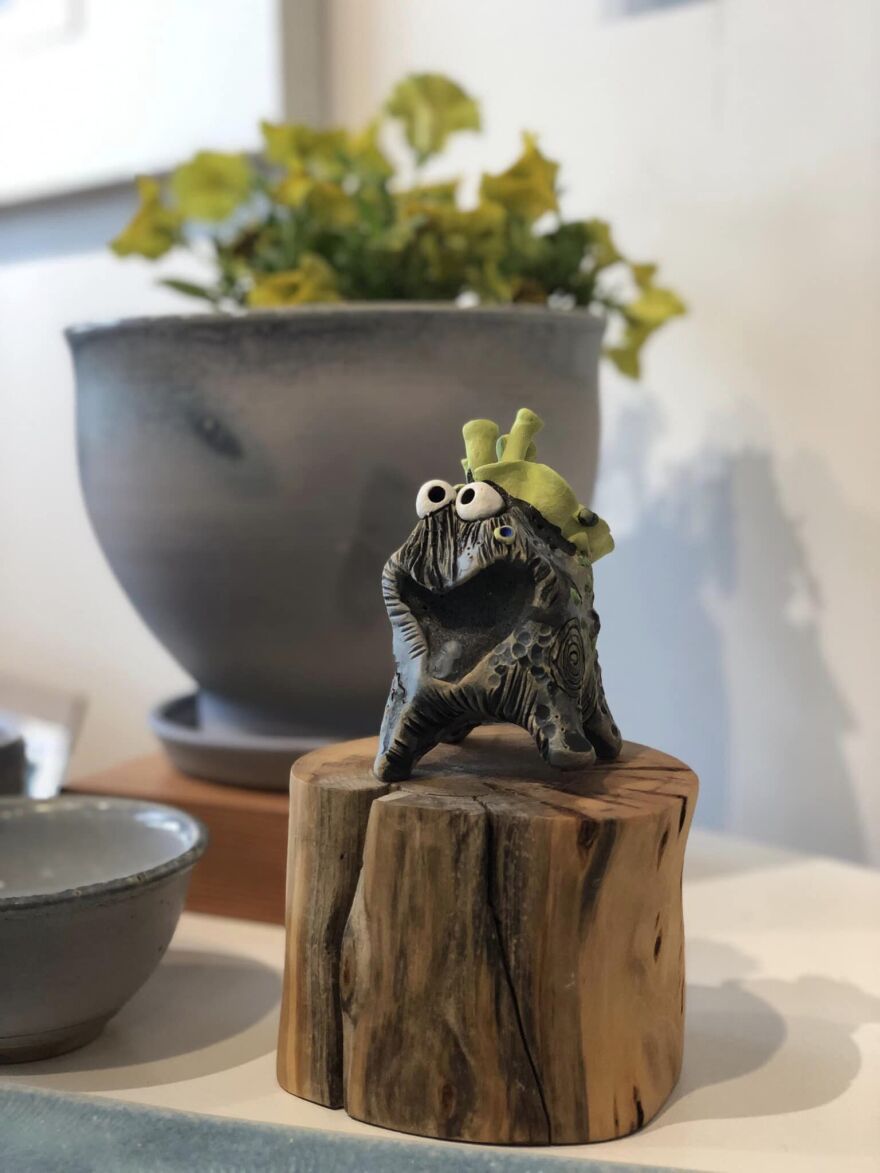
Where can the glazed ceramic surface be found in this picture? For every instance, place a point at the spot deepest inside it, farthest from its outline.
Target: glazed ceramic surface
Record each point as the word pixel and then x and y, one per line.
pixel 90 893
pixel 238 757
pixel 246 477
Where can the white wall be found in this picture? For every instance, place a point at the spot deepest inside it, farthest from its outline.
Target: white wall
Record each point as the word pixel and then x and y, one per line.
pixel 737 141
pixel 101 89
pixel 63 620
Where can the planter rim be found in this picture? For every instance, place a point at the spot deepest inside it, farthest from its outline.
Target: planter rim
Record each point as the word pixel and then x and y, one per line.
pixel 578 317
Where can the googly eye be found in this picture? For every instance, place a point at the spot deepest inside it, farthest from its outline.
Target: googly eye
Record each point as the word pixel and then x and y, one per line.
pixel 433 495
pixel 477 501
pixel 503 534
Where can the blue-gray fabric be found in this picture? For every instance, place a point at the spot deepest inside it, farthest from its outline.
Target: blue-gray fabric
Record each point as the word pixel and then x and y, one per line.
pixel 51 1132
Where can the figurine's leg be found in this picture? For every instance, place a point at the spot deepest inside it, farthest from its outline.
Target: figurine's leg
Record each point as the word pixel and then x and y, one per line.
pixel 566 750
pixel 457 733
pixel 599 725
pixel 558 732
pixel 409 731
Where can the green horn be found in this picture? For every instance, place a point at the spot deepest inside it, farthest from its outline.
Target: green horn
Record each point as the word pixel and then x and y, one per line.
pixel 479 442
pixel 525 428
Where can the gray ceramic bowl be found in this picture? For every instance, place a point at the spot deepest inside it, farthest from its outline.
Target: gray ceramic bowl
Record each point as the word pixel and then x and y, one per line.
pixel 90 893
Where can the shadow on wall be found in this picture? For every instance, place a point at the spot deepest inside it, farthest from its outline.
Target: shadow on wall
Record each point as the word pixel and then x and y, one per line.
pixel 710 645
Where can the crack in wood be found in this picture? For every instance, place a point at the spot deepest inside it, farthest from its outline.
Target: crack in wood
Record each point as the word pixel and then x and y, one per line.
pixel 505 963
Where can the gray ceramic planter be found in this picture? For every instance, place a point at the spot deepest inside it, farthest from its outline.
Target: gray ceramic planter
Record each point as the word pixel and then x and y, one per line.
pixel 247 477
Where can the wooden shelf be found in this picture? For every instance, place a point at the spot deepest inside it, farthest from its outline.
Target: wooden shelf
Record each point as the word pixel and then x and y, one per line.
pixel 242 872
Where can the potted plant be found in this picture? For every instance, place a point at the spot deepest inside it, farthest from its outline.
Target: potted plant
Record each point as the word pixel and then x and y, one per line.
pixel 234 464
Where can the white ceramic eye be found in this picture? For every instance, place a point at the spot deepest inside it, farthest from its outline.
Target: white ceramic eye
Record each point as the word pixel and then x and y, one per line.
pixel 478 500
pixel 433 495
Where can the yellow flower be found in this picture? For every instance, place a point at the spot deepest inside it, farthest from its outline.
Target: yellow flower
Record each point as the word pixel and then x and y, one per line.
pixel 314 280
pixel 154 228
pixel 212 185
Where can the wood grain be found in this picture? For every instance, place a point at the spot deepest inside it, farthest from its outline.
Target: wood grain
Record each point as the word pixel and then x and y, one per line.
pixel 242 873
pixel 512 967
pixel 328 822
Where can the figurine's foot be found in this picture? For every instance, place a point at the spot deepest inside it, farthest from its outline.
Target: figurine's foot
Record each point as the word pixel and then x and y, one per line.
pixel 390 767
pixel 568 750
pixel 599 725
pixel 564 758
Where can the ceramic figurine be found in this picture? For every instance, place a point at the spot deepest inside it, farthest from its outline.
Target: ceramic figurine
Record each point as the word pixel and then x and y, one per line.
pixel 491 605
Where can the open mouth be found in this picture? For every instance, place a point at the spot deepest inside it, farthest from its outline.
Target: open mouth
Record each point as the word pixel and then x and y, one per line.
pixel 463 624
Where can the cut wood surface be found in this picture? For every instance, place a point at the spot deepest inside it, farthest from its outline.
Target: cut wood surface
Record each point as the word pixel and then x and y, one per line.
pixel 491 951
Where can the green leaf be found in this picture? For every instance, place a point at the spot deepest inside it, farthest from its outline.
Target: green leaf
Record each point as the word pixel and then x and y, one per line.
pixel 191 289
pixel 326 204
pixel 626 355
pixel 528 187
pixel 442 250
pixel 603 250
pixel 654 306
pixel 643 275
pixel 293 189
pixel 431 108
pixel 313 281
pixel 212 185
pixel 547 264
pixel 285 143
pixel 368 161
pixel 322 154
pixel 153 230
pixel 428 193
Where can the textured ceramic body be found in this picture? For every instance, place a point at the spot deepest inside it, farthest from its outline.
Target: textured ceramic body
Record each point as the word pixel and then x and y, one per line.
pixel 91 893
pixel 247 476
pixel 493 620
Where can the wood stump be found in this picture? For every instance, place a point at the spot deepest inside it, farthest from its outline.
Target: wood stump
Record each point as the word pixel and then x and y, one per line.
pixel 491 951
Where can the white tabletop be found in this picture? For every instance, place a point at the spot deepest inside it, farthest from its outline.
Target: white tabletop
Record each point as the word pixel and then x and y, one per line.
pixel 782 1057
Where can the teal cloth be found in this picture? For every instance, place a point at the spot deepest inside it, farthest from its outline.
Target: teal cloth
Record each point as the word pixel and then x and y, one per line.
pixel 51 1132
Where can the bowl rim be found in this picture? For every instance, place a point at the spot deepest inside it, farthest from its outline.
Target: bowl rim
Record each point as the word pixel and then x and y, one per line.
pixel 118 884
pixel 579 316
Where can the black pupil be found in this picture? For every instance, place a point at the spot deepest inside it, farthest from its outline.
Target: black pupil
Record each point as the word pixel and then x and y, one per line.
pixel 436 493
pixel 467 496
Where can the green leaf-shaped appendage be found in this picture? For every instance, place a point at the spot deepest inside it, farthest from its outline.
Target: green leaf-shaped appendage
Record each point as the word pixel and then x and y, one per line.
pixel 509 462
